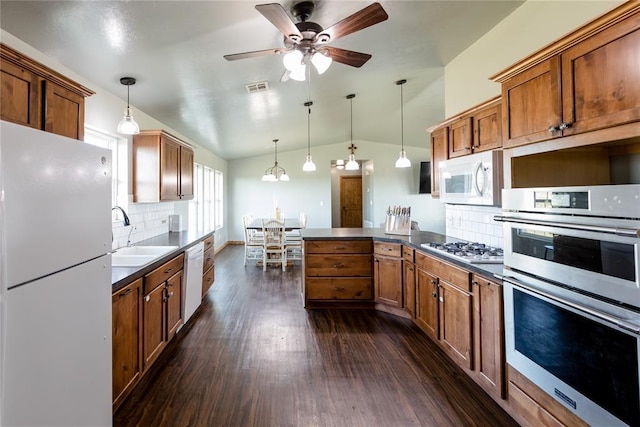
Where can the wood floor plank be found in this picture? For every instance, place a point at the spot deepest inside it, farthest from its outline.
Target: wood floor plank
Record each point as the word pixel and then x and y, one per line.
pixel 253 356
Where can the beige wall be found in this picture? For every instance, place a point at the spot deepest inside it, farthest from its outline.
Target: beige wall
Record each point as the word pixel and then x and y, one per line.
pixel 533 25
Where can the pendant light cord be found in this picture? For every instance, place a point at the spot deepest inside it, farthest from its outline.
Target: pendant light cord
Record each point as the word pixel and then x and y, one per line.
pixel 308 104
pixel 402 116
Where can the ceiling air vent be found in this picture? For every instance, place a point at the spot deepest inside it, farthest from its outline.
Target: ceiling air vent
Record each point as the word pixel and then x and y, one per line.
pixel 257 87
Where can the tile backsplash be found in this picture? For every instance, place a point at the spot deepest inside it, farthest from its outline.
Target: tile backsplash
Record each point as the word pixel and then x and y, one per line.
pixel 474 223
pixel 147 219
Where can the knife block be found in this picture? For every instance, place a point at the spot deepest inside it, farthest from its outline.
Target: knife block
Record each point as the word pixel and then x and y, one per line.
pixel 398 224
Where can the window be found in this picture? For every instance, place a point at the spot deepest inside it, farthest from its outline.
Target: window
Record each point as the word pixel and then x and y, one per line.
pixel 207 208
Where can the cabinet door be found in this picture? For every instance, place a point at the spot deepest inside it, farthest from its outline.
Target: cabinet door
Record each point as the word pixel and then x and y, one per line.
pixel 63 112
pixel 439 152
pixel 186 173
pixel 455 323
pixel 126 339
pixel 409 283
pixel 427 303
pixel 601 79
pixel 174 304
pixel 169 169
pixel 387 276
pixel 20 96
pixel 487 129
pixel 154 324
pixel 532 105
pixel 488 336
pixel 460 137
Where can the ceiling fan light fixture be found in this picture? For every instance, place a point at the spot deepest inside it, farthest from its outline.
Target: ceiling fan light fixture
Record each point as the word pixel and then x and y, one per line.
pixel 321 61
pixel 128 125
pixel 403 161
pixel 299 73
pixel 293 60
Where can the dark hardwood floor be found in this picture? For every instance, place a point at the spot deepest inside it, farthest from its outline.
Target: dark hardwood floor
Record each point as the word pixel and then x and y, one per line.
pixel 253 356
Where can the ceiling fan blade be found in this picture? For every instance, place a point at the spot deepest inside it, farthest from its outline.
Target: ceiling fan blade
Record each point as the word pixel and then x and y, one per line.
pixel 254 54
pixel 276 14
pixel 370 15
pixel 348 57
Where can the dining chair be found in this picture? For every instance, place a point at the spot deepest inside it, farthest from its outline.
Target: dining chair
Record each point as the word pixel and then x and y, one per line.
pixel 274 249
pixel 253 242
pixel 294 240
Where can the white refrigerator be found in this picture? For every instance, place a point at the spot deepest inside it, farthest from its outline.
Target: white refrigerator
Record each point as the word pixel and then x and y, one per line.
pixel 55 272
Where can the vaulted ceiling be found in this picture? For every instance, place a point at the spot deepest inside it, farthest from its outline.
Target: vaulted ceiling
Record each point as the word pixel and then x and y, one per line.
pixel 175 51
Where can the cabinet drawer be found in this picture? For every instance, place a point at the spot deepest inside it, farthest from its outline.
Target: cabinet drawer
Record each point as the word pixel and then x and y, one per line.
pixel 408 253
pixel 338 289
pixel 162 273
pixel 208 243
pixel 338 265
pixel 338 246
pixel 445 271
pixel 207 280
pixel 207 262
pixel 388 249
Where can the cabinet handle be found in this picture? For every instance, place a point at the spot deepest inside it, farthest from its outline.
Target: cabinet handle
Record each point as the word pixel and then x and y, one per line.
pixel 474 283
pixel 553 129
pixel 168 270
pixel 338 248
pixel 433 282
pixel 434 294
pixel 127 292
pixel 564 126
pixel 338 265
pixel 441 299
pixel 340 289
pixel 170 294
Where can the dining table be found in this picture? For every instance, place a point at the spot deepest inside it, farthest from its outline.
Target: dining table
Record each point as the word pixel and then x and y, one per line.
pixel 290 224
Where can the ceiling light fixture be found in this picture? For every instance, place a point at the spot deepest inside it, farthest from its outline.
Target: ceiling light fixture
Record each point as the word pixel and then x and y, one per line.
pixel 339 164
pixel 296 62
pixel 275 172
pixel 403 161
pixel 351 163
pixel 128 125
pixel 309 166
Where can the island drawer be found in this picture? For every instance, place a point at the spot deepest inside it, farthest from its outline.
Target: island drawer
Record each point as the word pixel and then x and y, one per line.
pixel 388 249
pixel 338 265
pixel 208 242
pixel 408 253
pixel 338 288
pixel 162 273
pixel 338 246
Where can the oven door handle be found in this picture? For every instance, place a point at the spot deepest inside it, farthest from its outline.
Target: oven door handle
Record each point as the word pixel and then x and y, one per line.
pixel 596 313
pixel 629 232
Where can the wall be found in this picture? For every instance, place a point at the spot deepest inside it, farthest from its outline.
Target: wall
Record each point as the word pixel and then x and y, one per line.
pixel 475 224
pixel 311 191
pixel 530 27
pixel 103 111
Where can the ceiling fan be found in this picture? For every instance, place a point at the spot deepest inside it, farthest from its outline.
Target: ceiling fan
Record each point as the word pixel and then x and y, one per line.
pixel 306 41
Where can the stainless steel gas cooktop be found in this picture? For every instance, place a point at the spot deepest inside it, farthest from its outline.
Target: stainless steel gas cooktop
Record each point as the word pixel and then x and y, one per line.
pixel 474 253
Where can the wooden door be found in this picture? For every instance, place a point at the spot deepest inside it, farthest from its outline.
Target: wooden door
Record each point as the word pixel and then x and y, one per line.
pixel 455 323
pixel 532 105
pixel 126 338
pixel 169 169
pixel 487 129
pixel 460 137
pixel 20 96
pixel 63 111
pixel 174 303
pixel 387 276
pixel 409 284
pixel 351 201
pixel 427 303
pixel 488 324
pixel 186 173
pixel 439 152
pixel 154 324
pixel 601 79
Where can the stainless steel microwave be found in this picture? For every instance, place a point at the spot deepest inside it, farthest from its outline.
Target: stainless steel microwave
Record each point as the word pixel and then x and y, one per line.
pixel 475 179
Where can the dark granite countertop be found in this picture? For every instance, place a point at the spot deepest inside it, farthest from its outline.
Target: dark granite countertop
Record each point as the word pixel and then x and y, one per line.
pixel 414 240
pixel 121 276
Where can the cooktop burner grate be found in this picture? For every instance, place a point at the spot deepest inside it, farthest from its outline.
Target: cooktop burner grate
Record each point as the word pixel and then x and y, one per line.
pixel 475 253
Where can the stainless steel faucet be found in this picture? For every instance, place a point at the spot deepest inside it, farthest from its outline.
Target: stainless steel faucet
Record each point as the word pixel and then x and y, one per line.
pixel 126 221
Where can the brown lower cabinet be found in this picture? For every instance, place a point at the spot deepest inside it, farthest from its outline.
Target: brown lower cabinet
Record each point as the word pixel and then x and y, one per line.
pixel 208 268
pixel 387 274
pixel 409 280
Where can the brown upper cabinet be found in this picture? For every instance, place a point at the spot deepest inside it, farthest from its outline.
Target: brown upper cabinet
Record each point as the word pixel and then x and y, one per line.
pixel 162 167
pixel 439 147
pixel 586 81
pixel 34 95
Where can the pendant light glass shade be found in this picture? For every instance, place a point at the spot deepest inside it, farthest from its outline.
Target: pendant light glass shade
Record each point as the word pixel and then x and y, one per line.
pixel 309 166
pixel 403 161
pixel 275 172
pixel 128 125
pixel 352 165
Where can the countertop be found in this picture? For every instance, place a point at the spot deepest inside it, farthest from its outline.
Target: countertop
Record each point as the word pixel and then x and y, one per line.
pixel 121 276
pixel 414 240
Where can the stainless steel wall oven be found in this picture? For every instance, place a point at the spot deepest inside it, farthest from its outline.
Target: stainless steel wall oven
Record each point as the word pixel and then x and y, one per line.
pixel 572 296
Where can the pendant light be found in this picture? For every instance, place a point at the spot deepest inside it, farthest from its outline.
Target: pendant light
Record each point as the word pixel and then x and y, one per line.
pixel 128 125
pixel 309 166
pixel 403 161
pixel 352 165
pixel 275 172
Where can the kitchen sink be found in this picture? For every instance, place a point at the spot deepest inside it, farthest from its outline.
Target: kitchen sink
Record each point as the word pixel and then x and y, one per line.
pixel 136 256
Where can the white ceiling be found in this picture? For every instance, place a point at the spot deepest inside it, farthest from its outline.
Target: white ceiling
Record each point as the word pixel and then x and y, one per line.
pixel 175 51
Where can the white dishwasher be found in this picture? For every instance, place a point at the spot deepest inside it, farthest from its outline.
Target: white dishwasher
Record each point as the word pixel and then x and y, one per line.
pixel 192 290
